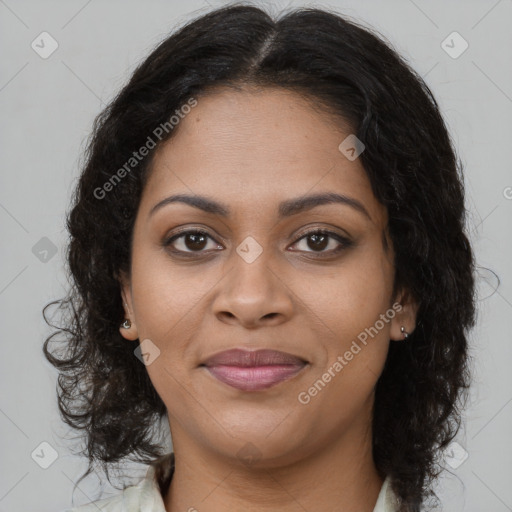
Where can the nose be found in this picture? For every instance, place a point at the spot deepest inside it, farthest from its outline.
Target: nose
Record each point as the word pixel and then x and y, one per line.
pixel 253 294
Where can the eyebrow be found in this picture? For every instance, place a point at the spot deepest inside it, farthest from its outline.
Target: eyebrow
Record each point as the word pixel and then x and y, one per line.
pixel 286 208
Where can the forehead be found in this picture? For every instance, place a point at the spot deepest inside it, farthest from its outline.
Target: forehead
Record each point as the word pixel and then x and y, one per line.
pixel 256 148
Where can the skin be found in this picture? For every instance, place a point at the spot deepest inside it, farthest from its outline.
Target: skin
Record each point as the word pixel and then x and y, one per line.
pixel 249 150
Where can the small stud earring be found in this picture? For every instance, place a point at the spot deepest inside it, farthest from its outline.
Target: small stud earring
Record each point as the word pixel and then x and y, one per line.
pixel 404 332
pixel 126 324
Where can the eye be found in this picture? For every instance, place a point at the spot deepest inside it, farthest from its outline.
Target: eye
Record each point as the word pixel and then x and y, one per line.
pixel 320 239
pixel 196 241
pixel 190 241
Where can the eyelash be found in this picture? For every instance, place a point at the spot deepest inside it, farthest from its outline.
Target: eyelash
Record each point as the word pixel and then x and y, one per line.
pixel 345 243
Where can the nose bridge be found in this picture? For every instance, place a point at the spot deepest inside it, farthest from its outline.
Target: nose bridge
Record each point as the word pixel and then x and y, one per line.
pixel 250 269
pixel 252 288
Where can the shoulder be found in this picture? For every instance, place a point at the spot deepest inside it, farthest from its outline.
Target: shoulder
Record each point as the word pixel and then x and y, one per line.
pixel 144 496
pixel 112 504
pixel 387 501
pixel 126 501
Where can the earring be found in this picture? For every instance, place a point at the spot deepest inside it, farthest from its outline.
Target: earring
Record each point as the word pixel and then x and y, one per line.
pixel 126 324
pixel 404 332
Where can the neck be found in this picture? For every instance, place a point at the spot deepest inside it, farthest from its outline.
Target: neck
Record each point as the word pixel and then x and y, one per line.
pixel 338 476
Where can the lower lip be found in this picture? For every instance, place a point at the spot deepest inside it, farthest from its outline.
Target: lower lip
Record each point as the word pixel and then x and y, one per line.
pixel 254 378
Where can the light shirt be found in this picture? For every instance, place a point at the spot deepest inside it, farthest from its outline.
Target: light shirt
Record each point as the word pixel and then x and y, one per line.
pixel 146 496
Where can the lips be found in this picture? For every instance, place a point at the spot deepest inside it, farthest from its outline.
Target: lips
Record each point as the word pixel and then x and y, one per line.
pixel 239 357
pixel 253 370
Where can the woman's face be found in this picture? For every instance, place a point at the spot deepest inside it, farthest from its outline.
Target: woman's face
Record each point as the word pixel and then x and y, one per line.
pixel 256 281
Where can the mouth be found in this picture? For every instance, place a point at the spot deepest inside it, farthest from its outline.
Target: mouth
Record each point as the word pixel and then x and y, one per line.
pixel 253 370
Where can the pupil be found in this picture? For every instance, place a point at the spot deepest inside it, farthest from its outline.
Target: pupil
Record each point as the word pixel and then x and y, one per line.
pixel 196 239
pixel 316 239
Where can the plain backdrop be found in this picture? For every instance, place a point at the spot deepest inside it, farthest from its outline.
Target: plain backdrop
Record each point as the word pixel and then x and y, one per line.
pixel 48 105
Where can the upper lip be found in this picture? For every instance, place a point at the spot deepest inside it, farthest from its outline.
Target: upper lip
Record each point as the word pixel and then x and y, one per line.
pixel 243 357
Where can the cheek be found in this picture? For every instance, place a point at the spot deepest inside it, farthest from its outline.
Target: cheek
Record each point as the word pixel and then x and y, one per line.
pixel 164 304
pixel 350 303
pixel 165 295
pixel 354 338
pixel 352 297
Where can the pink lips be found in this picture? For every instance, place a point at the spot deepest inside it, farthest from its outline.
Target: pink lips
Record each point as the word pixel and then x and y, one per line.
pixel 253 370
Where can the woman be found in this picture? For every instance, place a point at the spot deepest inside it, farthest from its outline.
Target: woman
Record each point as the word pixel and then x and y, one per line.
pixel 267 249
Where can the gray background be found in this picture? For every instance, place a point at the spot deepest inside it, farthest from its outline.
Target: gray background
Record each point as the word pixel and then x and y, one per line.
pixel 48 106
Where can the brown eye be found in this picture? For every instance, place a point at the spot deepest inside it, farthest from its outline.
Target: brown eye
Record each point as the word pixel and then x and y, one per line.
pixel 319 240
pixel 189 241
pixel 196 241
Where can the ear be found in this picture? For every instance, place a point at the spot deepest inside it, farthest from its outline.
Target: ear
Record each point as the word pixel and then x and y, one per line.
pixel 406 307
pixel 126 294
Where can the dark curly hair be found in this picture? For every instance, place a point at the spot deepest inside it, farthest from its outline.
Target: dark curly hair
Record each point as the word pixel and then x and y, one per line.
pixel 410 160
